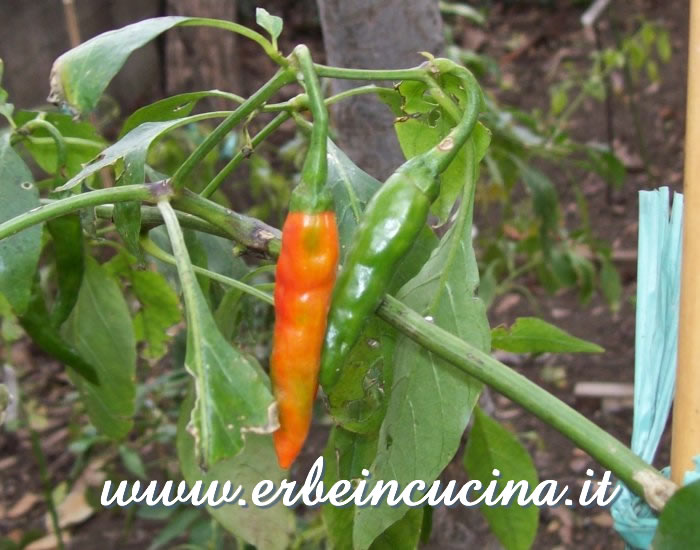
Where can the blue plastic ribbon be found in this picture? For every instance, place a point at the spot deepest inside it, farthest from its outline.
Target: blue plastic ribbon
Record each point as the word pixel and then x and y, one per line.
pixel 656 350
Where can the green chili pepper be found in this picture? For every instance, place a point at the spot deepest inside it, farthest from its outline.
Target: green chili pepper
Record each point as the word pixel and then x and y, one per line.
pixel 390 225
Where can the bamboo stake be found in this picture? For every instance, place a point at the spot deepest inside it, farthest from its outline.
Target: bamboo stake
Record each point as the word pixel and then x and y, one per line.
pixel 71 23
pixel 686 410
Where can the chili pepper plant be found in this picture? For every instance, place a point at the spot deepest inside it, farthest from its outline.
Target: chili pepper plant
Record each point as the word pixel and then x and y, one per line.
pixel 99 256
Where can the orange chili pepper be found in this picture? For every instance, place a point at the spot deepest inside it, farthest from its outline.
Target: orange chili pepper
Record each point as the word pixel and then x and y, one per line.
pixel 305 276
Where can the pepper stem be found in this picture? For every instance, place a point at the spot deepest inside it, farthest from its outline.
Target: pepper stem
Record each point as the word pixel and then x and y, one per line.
pixel 311 194
pixel 444 152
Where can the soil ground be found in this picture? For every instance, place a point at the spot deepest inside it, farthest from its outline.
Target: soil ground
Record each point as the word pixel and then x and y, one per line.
pixel 545 34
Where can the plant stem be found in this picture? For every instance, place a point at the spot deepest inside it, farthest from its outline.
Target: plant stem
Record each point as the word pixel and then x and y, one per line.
pixel 639 476
pixel 312 534
pixel 442 155
pixel 266 45
pixel 262 135
pixel 46 485
pixel 142 192
pixel 151 217
pixel 54 134
pixel 368 89
pixel 188 284
pixel 611 453
pixel 311 194
pixel 244 109
pixel 444 100
pixel 566 115
pixel 68 140
pixel 251 233
pixel 151 248
pixel 300 101
pixel 287 108
pixel 417 73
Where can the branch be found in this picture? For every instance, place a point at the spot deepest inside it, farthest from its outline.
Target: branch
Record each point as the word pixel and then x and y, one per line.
pixel 639 476
pixel 55 135
pixel 151 217
pixel 264 93
pixel 417 73
pixel 245 152
pixel 250 232
pixel 146 192
pixel 159 254
pixel 263 42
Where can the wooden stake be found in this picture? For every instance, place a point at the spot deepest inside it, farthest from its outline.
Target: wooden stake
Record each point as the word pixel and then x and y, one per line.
pixel 72 23
pixel 686 410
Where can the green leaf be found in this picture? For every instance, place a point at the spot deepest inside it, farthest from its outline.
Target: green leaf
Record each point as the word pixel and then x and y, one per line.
pixel 561 267
pixel 220 257
pixel 352 188
pixel 19 254
pixel 426 529
pixel 233 397
pixel 206 251
pixel 99 327
pixel 595 87
pixel 491 446
pixel 81 75
pixel 69 256
pixel 271 23
pixel 198 256
pixel 663 45
pixel 345 456
pixel 127 215
pixel 178 524
pixel 635 54
pixel 430 402
pixel 463 10
pixel 6 109
pixel 417 134
pixel 532 335
pixel 544 197
pixel 648 34
pixel 266 528
pixel 43 331
pixel 5 400
pixel 228 312
pixel 415 259
pixel 81 139
pixel 606 163
pixel 585 275
pixel 132 462
pixel 678 523
pixel 170 108
pixel 358 400
pixel 559 100
pixel 652 70
pixel 405 533
pixel 135 144
pixel 10 330
pixel 610 284
pixel 159 311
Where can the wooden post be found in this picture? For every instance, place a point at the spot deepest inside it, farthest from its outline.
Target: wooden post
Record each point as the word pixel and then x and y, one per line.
pixel 686 410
